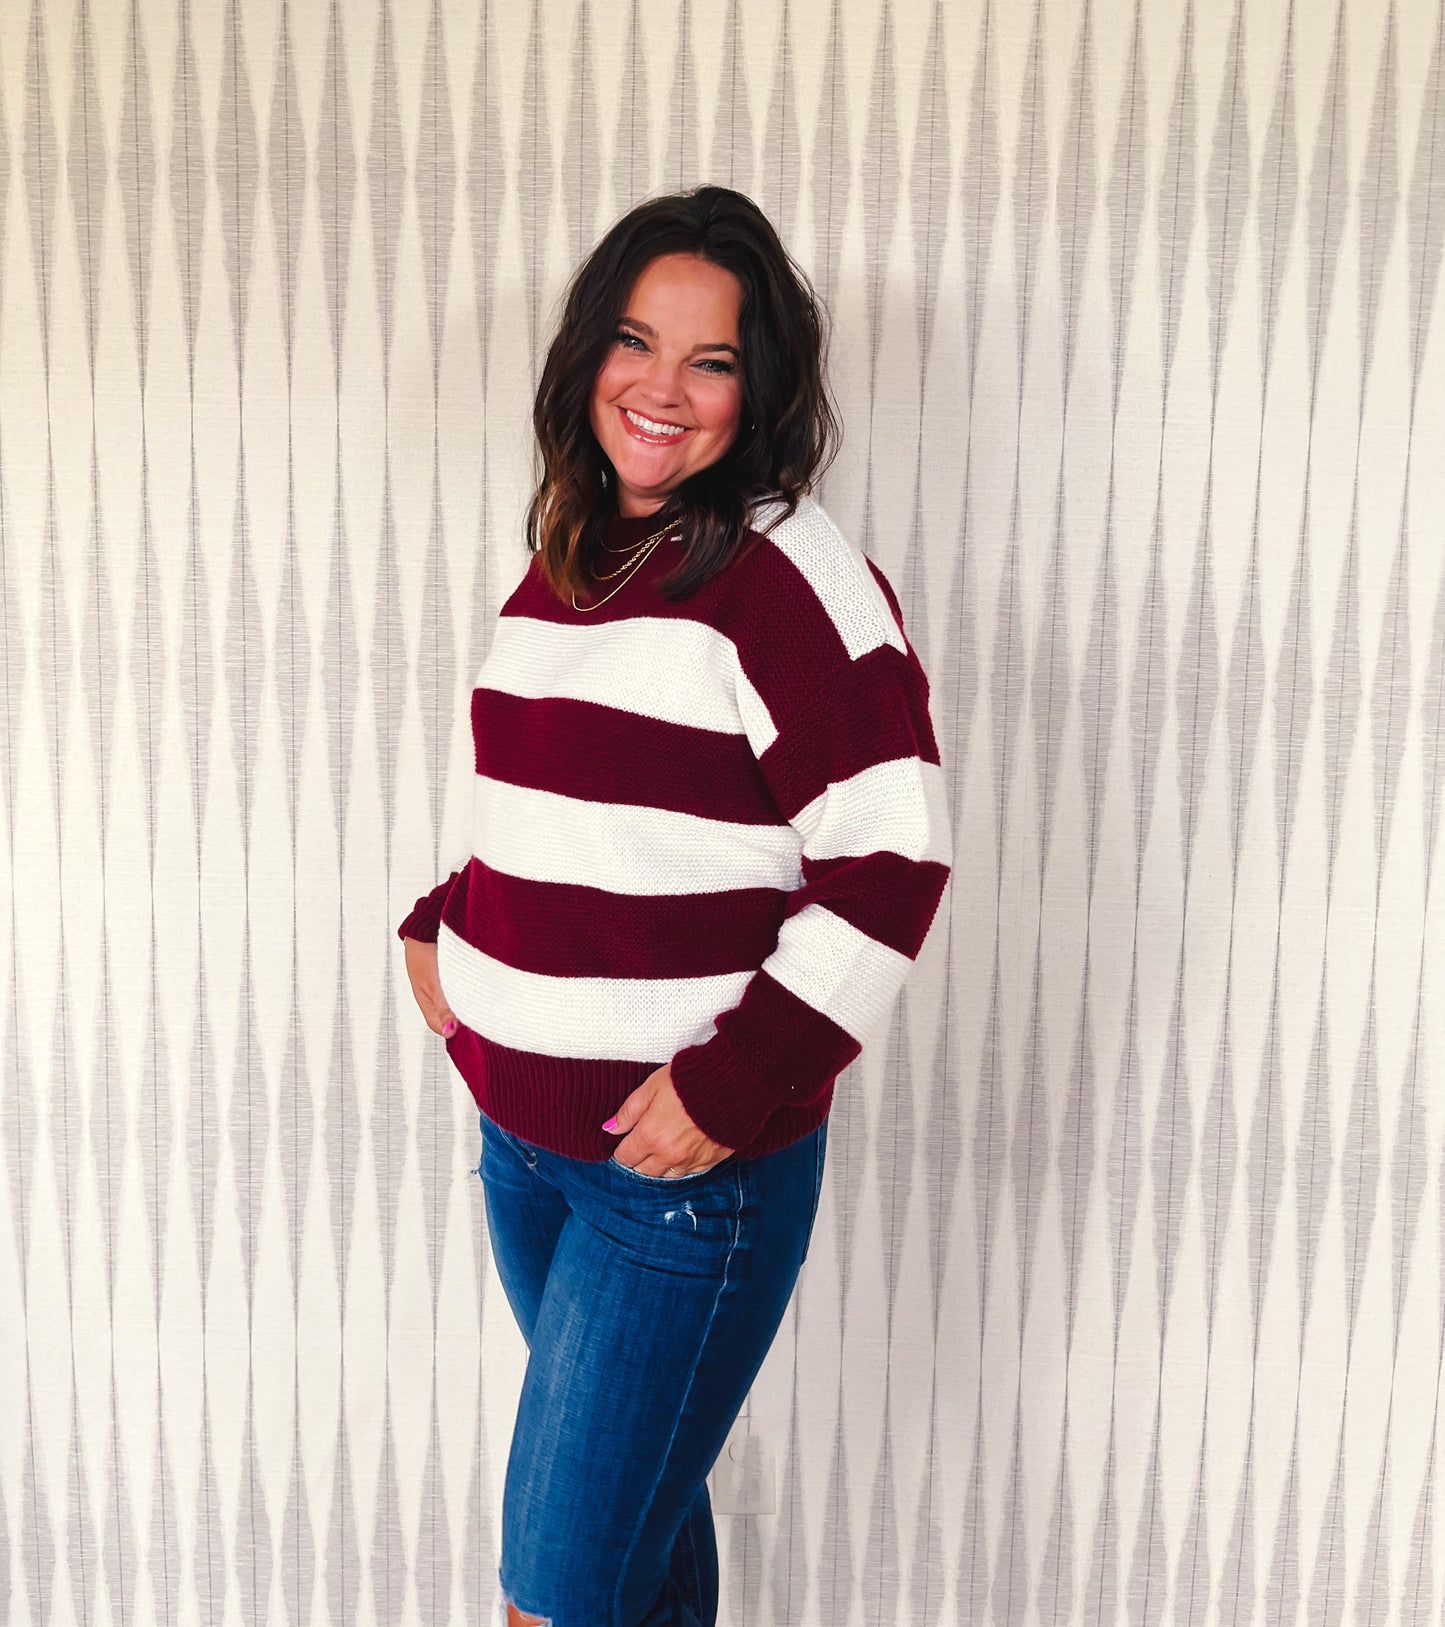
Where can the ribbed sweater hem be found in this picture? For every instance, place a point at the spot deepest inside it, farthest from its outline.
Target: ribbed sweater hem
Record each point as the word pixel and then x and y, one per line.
pixel 561 1102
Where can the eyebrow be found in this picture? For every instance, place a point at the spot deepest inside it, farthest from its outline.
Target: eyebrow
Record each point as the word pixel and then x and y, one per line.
pixel 642 327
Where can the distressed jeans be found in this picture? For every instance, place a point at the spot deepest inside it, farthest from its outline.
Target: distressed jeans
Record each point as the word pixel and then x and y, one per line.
pixel 648 1304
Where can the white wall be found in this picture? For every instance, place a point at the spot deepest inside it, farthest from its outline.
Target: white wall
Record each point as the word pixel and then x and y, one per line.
pixel 1129 1307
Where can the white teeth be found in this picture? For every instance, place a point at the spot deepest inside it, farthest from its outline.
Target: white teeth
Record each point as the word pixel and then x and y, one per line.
pixel 651 427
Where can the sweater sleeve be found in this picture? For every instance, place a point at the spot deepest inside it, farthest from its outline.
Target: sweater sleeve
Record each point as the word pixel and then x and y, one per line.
pixel 424 920
pixel 855 771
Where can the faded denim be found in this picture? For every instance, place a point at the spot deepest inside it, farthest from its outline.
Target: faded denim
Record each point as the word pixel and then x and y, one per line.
pixel 648 1304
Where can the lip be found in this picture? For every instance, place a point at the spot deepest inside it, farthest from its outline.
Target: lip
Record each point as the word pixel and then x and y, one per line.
pixel 646 439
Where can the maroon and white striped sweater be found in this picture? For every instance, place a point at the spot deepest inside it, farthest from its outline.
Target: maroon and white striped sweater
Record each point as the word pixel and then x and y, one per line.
pixel 711 833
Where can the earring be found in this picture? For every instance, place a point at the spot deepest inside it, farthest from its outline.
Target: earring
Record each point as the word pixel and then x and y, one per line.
pixel 602 474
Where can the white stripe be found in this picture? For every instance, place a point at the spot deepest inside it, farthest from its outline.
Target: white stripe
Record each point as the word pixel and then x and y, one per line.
pixel 838 573
pixel 895 807
pixel 838 970
pixel 634 1019
pixel 758 724
pixel 678 670
pixel 823 960
pixel 625 848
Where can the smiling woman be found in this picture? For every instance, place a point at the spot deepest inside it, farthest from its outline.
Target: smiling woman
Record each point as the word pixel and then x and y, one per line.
pixel 687 374
pixel 709 834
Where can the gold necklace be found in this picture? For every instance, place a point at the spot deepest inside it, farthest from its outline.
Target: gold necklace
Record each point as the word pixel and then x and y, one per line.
pixel 627 549
pixel 635 563
pixel 631 550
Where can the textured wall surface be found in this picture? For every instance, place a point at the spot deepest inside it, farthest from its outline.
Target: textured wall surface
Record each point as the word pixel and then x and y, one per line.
pixel 1128 1306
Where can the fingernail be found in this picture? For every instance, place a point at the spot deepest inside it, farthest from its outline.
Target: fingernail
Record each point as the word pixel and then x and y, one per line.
pixel 611 1124
pixel 449 1029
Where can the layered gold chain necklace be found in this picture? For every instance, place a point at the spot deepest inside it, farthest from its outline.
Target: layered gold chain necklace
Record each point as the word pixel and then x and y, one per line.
pixel 630 565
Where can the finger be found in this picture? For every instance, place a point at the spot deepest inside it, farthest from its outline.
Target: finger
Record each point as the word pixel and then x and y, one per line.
pixel 625 1118
pixel 421 966
pixel 680 1168
pixel 435 1009
pixel 651 1163
pixel 648 1164
pixel 438 1014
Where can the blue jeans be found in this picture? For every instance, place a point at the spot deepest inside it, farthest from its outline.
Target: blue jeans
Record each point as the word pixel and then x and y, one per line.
pixel 648 1304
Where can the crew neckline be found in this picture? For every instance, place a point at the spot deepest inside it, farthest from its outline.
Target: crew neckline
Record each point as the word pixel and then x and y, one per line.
pixel 626 528
pixel 623 531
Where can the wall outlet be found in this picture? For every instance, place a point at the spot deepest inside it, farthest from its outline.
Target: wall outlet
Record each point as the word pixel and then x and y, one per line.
pixel 743 1477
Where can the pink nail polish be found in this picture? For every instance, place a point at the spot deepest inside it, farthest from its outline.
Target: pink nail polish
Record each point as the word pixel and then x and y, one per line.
pixel 611 1124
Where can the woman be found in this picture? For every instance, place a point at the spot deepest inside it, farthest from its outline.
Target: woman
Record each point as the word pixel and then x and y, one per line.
pixel 709 836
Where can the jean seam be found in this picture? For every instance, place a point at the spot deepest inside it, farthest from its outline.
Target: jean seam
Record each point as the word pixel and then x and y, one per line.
pixel 686 1396
pixel 817 1193
pixel 694 1574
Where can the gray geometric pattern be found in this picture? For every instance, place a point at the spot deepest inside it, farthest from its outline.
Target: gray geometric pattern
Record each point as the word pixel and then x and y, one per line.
pixel 1121 1304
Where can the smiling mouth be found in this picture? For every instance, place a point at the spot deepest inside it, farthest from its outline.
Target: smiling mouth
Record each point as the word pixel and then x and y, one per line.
pixel 650 430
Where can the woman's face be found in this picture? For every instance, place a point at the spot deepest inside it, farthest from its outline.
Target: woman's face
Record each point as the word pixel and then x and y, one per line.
pixel 668 397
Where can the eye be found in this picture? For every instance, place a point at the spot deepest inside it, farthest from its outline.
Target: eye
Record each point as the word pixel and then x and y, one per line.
pixel 624 337
pixel 714 365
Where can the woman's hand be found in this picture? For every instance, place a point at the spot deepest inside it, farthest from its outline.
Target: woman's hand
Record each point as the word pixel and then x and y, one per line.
pixel 658 1138
pixel 421 968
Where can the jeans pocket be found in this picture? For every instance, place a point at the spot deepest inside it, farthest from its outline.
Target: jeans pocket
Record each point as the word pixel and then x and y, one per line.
pixel 505 1140
pixel 670 1180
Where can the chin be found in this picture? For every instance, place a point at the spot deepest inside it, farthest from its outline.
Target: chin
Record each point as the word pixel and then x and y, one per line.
pixel 646 480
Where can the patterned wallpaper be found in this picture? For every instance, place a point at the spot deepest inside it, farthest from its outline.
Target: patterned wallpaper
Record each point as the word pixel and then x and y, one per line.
pixel 1125 1302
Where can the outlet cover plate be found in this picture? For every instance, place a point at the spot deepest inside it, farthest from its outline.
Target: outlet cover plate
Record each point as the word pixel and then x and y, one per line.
pixel 744 1478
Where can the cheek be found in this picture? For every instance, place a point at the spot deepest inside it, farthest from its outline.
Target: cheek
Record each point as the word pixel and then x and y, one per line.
pixel 604 421
pixel 725 411
pixel 612 379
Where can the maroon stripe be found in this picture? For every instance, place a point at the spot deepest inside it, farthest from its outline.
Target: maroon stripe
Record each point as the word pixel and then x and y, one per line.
pixel 602 753
pixel 874 712
pixel 561 929
pixel 562 1102
pixel 770 594
pixel 888 593
pixel 891 898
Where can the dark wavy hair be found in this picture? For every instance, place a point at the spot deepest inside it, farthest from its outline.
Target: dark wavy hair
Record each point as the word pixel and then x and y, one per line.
pixel 788 429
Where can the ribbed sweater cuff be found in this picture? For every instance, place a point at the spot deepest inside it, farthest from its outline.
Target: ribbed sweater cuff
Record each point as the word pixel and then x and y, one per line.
pixel 723 1099
pixel 424 920
pixel 423 924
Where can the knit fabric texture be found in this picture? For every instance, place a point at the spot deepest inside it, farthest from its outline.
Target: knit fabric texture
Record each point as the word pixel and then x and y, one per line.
pixel 711 833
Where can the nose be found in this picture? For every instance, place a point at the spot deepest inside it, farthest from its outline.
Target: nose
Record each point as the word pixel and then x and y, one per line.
pixel 662 382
